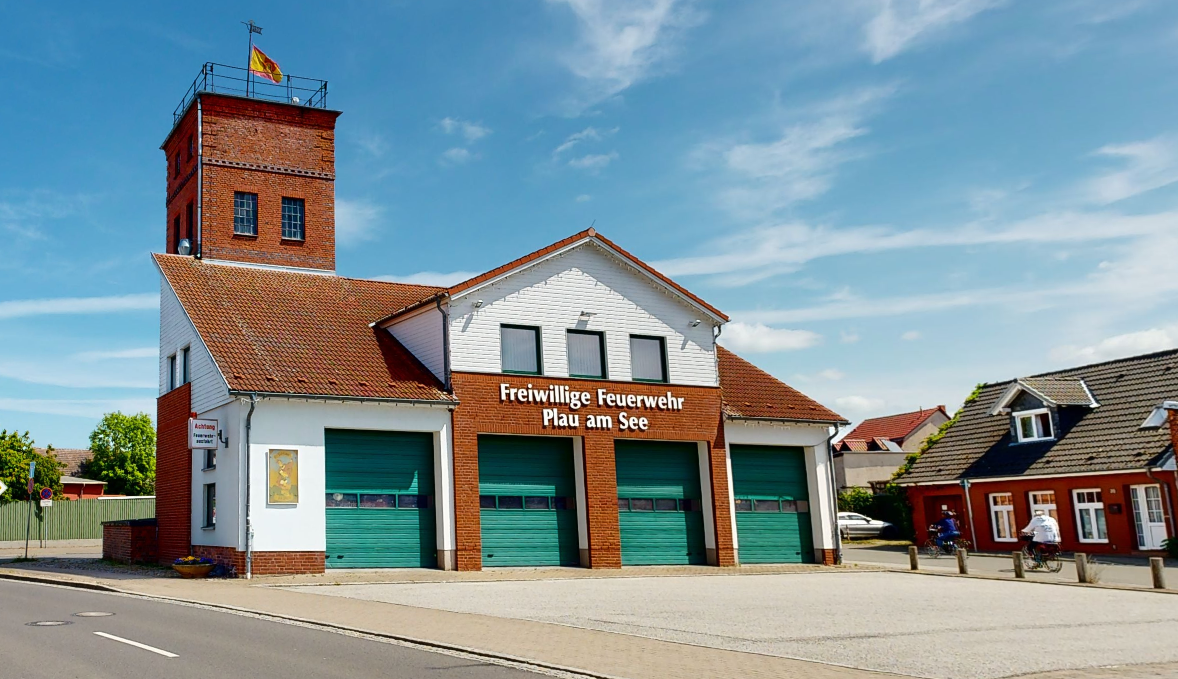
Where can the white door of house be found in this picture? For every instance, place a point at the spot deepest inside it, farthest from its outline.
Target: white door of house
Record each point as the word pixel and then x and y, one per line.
pixel 1147 516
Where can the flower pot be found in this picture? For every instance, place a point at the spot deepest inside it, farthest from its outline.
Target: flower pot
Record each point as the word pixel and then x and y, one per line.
pixel 198 570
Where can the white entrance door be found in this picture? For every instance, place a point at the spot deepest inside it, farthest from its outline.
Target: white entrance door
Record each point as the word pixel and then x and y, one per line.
pixel 1147 516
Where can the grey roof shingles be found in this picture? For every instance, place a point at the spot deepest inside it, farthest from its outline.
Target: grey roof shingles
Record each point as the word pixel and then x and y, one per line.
pixel 1106 438
pixel 1067 391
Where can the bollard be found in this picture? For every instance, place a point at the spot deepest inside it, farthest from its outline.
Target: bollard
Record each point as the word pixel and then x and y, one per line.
pixel 1157 570
pixel 913 563
pixel 1081 566
pixel 963 561
pixel 1019 571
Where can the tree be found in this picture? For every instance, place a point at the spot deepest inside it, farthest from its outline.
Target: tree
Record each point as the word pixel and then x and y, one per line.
pixel 16 452
pixel 123 454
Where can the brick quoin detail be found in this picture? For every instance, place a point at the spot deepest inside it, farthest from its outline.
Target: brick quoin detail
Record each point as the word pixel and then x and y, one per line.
pixel 481 412
pixel 265 563
pixel 173 474
pixel 272 149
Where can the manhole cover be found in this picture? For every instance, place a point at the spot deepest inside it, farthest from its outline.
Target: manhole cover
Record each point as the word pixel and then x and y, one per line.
pixel 92 614
pixel 49 623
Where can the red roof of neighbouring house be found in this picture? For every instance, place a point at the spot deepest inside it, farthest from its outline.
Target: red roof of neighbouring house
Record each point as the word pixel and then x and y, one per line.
pixel 751 392
pixel 273 331
pixel 893 426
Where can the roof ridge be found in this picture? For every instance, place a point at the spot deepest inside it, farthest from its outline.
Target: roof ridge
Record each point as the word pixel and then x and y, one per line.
pixel 334 276
pixel 1055 373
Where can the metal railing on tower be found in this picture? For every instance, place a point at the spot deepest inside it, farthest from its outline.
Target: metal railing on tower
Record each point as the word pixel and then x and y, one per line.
pixel 234 80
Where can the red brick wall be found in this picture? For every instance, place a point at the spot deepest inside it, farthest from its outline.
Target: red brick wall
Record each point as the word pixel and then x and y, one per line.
pixel 481 412
pixel 274 150
pixel 1114 489
pixel 130 542
pixel 265 563
pixel 173 474
pixel 829 557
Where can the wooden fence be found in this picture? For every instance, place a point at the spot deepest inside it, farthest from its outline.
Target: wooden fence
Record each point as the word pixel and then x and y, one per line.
pixel 71 519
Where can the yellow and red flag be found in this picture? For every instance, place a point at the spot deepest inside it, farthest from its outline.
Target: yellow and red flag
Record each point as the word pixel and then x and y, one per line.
pixel 264 67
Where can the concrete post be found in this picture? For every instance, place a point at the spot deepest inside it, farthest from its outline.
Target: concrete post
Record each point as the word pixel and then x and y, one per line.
pixel 963 561
pixel 913 563
pixel 1081 566
pixel 1157 570
pixel 1019 571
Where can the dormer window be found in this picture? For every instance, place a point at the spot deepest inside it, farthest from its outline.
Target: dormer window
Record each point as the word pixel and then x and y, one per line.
pixel 1033 425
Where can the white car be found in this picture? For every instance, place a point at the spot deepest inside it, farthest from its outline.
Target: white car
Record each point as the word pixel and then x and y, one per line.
pixel 853 525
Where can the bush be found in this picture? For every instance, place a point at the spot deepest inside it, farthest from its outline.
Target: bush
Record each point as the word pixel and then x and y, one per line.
pixel 1171 547
pixel 891 505
pixel 16 451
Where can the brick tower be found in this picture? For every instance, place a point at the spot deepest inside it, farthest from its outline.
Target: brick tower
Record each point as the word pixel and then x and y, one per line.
pixel 251 173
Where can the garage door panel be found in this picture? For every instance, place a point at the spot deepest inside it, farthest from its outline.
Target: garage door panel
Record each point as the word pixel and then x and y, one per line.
pixel 659 515
pixel 771 490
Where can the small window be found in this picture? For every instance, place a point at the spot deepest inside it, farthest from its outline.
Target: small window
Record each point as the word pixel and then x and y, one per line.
pixel 1090 515
pixel 1044 500
pixel 210 458
pixel 341 500
pixel 184 366
pixel 1034 425
pixel 766 506
pixel 413 501
pixel 190 225
pixel 1002 517
pixel 648 359
pixel 172 372
pixel 176 165
pixel 624 504
pixel 536 502
pixel 789 506
pixel 641 504
pixel 210 508
pixel 560 503
pixel 378 501
pixel 666 505
pixel 176 233
pixel 191 146
pixel 292 219
pixel 511 502
pixel 245 214
pixel 744 505
pixel 586 354
pixel 519 348
pixel 486 502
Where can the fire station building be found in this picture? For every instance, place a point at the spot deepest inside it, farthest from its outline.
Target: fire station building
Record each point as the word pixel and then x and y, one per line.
pixel 569 408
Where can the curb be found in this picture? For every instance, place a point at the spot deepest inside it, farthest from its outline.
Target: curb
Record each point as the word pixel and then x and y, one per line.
pixel 1029 581
pixel 46 580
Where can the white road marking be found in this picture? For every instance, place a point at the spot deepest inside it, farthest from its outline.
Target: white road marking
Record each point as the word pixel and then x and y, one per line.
pixel 136 644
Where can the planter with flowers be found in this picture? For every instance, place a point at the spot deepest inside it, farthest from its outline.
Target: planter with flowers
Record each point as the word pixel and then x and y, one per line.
pixel 193 566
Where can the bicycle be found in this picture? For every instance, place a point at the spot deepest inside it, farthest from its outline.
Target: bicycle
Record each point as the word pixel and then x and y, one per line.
pixel 1040 555
pixel 934 550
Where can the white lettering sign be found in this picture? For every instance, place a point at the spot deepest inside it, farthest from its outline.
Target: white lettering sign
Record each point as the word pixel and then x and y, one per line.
pixel 202 433
pixel 556 395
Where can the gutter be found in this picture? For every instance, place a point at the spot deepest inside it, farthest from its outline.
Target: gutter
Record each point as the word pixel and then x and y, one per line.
pixel 200 176
pixel 249 527
pixel 359 399
pixel 969 510
pixel 827 423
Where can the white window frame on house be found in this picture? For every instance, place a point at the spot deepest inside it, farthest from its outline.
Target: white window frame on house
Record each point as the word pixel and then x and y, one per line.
pixel 210 506
pixel 185 365
pixel 171 383
pixel 1094 510
pixel 1002 517
pixel 1036 425
pixel 1037 502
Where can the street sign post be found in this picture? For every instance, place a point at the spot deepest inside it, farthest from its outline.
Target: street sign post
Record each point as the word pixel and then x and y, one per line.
pixel 29 520
pixel 46 493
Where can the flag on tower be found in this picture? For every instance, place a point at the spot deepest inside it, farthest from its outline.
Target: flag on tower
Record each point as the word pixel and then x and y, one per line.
pixel 264 67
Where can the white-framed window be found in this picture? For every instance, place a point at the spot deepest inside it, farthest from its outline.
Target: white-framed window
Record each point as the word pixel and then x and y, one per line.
pixel 210 506
pixel 648 359
pixel 185 368
pixel 1002 517
pixel 519 349
pixel 1033 425
pixel 1044 500
pixel 586 350
pixel 1090 515
pixel 172 372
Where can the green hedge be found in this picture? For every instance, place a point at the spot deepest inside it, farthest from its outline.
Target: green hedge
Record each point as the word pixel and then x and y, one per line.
pixel 891 505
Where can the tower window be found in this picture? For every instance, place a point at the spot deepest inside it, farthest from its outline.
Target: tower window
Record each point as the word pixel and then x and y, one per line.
pixel 191 146
pixel 292 218
pixel 176 166
pixel 176 233
pixel 245 214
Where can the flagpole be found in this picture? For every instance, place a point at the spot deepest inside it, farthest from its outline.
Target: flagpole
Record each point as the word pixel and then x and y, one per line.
pixel 249 57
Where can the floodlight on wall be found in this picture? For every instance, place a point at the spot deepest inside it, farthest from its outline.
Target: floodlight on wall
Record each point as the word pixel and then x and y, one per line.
pixel 184 247
pixel 586 315
pixel 695 323
pixel 478 303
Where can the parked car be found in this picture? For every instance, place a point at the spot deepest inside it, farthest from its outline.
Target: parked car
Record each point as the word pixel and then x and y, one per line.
pixel 853 525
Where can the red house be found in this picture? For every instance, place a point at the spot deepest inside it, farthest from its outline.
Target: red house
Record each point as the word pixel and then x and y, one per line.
pixel 73 485
pixel 1092 446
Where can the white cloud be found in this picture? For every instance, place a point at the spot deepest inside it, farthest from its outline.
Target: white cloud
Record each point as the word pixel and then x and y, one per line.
pixel 79 305
pixel 456 156
pixel 438 278
pixel 372 143
pixel 848 337
pixel 1118 346
pixel 594 162
pixel 758 339
pixel 1148 165
pixel 901 24
pixel 828 375
pixel 118 354
pixel 24 213
pixel 469 131
pixel 858 404
pixel 78 408
pixel 621 42
pixel 587 134
pixel 355 221
pixel 583 198
pixel 66 373
pixel 911 335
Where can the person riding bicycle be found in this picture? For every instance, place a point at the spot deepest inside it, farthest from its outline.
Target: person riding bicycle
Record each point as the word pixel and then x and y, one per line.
pixel 947 530
pixel 1044 532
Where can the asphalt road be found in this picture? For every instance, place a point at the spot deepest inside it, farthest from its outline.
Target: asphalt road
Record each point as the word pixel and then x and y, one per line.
pixel 204 643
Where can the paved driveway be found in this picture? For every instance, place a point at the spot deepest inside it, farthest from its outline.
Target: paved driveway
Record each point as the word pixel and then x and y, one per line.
pixel 910 624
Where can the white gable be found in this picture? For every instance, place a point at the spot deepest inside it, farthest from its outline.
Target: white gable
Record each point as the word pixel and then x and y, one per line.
pixel 552 294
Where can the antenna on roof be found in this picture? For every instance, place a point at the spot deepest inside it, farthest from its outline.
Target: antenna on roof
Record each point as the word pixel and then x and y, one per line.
pixel 592 223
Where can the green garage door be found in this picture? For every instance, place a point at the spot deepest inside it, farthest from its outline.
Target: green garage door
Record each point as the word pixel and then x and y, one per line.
pixel 659 511
pixel 380 509
pixel 772 504
pixel 527 498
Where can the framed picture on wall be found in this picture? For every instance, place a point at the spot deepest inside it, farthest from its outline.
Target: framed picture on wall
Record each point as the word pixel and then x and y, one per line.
pixel 283 477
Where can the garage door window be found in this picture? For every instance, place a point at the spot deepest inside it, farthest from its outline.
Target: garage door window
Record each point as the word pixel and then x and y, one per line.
pixel 352 500
pixel 524 502
pixel 771 505
pixel 659 504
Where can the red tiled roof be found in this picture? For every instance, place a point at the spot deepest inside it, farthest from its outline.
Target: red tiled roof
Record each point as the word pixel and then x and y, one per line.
pixel 72 458
pixel 588 233
pixel 853 445
pixel 893 426
pixel 298 333
pixel 749 391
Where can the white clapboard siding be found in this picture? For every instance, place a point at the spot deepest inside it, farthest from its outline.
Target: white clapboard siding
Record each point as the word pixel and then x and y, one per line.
pixel 421 334
pixel 209 389
pixel 552 295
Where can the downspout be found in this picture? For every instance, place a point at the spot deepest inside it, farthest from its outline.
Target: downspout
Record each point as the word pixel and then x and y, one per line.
pixel 445 311
pixel 717 330
pixel 200 176
pixel 969 510
pixel 834 503
pixel 249 528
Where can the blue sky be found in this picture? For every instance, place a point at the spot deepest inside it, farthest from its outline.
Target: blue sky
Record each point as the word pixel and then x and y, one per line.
pixel 893 200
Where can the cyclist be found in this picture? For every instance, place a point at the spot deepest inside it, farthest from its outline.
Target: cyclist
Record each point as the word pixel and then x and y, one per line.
pixel 947 531
pixel 1044 532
